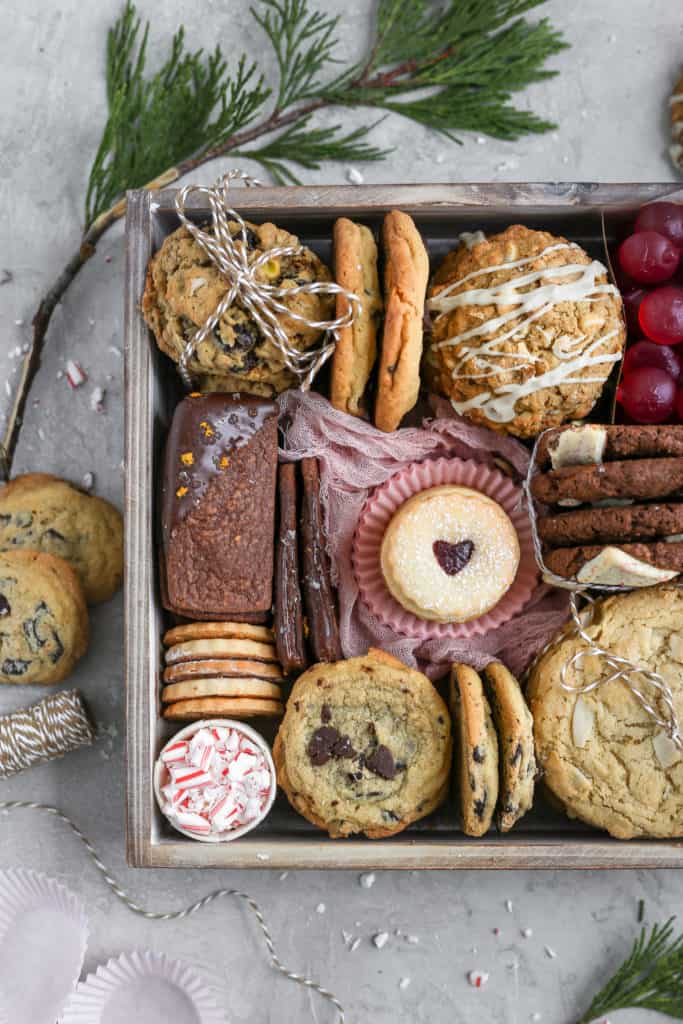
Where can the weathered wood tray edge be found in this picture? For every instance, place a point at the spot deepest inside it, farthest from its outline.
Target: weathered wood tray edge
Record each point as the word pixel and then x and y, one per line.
pixel 142 617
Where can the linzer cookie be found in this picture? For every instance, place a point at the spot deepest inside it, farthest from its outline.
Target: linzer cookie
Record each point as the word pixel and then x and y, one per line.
pixel 218 508
pixel 318 593
pixel 365 746
pixel 288 618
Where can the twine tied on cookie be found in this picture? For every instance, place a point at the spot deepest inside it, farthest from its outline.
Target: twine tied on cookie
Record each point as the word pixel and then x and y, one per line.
pixel 48 729
pixel 260 299
pixel 649 688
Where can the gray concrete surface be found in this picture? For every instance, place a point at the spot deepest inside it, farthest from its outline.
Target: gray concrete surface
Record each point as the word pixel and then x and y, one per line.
pixel 610 105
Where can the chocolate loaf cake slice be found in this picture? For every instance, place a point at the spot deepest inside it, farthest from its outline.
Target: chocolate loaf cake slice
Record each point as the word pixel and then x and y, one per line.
pixel 218 508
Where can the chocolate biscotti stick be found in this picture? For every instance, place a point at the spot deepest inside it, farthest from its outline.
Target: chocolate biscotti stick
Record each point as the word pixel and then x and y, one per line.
pixel 218 508
pixel 639 479
pixel 289 618
pixel 318 594
pixel 592 443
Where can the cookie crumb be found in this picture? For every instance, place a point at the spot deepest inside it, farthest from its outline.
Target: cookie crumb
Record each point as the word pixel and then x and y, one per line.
pixel 97 399
pixel 368 880
pixel 477 978
pixel 380 940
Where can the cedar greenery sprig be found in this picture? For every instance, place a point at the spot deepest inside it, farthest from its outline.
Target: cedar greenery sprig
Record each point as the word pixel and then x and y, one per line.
pixel 651 977
pixel 450 65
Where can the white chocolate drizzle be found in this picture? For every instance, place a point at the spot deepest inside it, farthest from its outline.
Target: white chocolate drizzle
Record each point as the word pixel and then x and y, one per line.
pixel 572 282
pixel 676 98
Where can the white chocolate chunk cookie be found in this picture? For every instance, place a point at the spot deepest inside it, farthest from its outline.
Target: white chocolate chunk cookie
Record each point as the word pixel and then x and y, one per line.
pixel 515 728
pixel 601 754
pixel 476 750
pixel 365 746
pixel 44 513
pixel 43 618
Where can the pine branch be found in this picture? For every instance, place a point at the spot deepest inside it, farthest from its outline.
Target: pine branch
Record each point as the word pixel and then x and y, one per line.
pixel 308 147
pixel 450 65
pixel 141 137
pixel 651 977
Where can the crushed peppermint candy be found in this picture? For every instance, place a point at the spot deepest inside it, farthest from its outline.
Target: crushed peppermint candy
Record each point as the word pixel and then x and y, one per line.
pixel 355 944
pixel 88 481
pixel 403 983
pixel 368 880
pixel 526 933
pixel 550 953
pixel 75 374
pixel 215 781
pixel 354 176
pixel 508 906
pixel 321 908
pixel 380 940
pixel 477 978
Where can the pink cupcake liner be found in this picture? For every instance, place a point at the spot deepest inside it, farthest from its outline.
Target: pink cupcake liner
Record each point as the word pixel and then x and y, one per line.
pixel 375 517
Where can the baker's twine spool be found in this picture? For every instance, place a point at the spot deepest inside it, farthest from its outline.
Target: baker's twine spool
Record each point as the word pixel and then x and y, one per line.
pixel 51 728
pixel 258 298
pixel 636 677
pixel 178 915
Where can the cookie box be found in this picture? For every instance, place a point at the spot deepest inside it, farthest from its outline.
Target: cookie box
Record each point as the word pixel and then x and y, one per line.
pixel 592 215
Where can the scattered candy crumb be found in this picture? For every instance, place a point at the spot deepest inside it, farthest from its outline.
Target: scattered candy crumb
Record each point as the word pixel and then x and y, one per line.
pixel 477 978
pixel 346 936
pixel 380 940
pixel 368 880
pixel 496 932
pixel 413 939
pixel 508 906
pixel 88 481
pixel 284 875
pixel 75 374
pixel 535 1016
pixel 526 933
pixel 321 908
pixel 403 983
pixel 18 323
pixel 355 944
pixel 262 856
pixel 550 953
pixel 354 176
pixel 97 399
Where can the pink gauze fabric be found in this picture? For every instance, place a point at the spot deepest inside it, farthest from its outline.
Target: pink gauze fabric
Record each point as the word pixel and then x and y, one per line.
pixel 354 457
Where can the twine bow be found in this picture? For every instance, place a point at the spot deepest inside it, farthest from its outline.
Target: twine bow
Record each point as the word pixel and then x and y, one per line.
pixel 260 299
pixel 636 677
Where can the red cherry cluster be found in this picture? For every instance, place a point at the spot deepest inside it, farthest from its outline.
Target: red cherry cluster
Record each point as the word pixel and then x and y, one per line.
pixel 651 387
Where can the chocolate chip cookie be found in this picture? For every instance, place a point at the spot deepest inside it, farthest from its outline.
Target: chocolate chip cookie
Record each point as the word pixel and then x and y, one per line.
pixel 365 746
pixel 405 284
pixel 601 754
pixel 43 618
pixel 515 728
pixel 184 287
pixel 355 264
pixel 476 750
pixel 43 513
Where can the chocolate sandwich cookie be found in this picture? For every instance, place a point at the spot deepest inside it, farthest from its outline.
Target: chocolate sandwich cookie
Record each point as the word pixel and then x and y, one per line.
pixel 218 508
pixel 318 593
pixel 636 564
pixel 515 728
pixel 289 617
pixel 638 479
pixel 211 668
pixel 587 443
pixel 615 523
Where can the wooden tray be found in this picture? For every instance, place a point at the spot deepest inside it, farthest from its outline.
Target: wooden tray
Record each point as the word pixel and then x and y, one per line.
pixel 544 838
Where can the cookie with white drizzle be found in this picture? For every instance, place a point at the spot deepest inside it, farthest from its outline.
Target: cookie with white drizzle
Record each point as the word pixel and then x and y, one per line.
pixel 515 728
pixel 526 330
pixel 476 746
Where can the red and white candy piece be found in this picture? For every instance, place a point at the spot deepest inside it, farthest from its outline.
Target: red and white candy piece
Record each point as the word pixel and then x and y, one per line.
pixel 75 374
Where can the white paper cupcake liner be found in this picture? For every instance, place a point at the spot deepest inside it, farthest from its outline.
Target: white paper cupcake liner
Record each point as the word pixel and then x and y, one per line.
pixel 146 987
pixel 43 937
